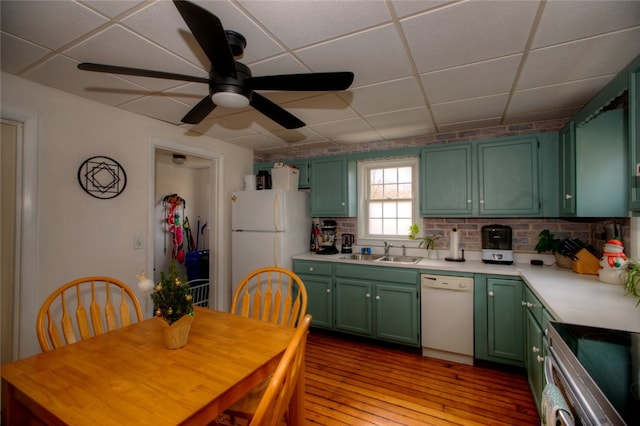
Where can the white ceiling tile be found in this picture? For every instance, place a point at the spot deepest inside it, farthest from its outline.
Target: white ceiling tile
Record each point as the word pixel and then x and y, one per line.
pixel 471 81
pixel 581 59
pixel 106 48
pixel 62 73
pixel 256 142
pixel 111 8
pixel 320 109
pixel 254 121
pixel 468 32
pixel 390 96
pixel 399 124
pixel 302 135
pixel 190 93
pixel 354 130
pixel 410 7
pixel 301 23
pixel 16 54
pixel 219 128
pixel 557 96
pixel 362 54
pixel 469 125
pixel 470 109
pixel 541 115
pixel 158 106
pixel 281 64
pixel 51 24
pixel 587 18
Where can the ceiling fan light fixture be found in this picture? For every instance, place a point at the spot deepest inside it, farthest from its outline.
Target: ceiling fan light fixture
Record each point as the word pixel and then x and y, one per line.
pixel 230 100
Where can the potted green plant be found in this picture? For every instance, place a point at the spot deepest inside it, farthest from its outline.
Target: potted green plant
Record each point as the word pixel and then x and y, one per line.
pixel 173 305
pixel 632 282
pixel 428 241
pixel 548 242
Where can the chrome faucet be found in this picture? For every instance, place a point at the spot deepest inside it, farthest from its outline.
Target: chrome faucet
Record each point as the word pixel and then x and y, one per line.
pixel 387 246
pixel 404 251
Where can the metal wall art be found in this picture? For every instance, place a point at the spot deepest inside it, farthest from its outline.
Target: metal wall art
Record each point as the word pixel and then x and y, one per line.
pixel 102 177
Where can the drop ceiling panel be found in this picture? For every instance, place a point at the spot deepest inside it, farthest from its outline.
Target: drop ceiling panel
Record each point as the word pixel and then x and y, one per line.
pixel 111 8
pixel 393 95
pixel 606 16
pixel 470 109
pixel 321 109
pixel 16 53
pixel 468 32
pixel 404 8
pixel 51 24
pixel 363 54
pixel 401 124
pixel 301 23
pixel 354 130
pixel 472 81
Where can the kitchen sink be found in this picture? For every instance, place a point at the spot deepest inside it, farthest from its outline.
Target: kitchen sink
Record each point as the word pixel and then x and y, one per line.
pixel 400 259
pixel 358 256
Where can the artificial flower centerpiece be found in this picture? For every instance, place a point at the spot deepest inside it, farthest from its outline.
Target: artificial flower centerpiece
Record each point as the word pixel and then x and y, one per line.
pixel 173 303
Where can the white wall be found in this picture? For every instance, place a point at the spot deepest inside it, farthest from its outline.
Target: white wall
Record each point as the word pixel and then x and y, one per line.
pixel 81 235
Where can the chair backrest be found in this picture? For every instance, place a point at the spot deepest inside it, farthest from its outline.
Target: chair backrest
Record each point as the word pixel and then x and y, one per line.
pixel 271 294
pixel 276 397
pixel 64 313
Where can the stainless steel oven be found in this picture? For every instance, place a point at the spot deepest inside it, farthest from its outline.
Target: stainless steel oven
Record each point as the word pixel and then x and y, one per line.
pixel 597 372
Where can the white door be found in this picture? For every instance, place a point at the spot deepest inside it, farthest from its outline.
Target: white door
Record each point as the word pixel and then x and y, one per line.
pixel 253 250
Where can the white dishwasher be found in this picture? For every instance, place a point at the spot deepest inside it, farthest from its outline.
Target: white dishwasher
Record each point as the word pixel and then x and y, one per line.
pixel 447 317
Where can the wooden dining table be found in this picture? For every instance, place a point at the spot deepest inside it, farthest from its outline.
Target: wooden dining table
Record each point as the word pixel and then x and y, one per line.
pixel 128 377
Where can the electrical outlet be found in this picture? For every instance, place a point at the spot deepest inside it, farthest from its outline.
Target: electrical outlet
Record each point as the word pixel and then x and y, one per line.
pixel 138 242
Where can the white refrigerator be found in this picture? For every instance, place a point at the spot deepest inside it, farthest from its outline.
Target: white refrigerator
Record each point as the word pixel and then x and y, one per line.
pixel 268 227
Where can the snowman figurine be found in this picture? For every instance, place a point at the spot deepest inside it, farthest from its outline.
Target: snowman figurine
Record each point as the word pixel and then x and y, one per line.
pixel 612 263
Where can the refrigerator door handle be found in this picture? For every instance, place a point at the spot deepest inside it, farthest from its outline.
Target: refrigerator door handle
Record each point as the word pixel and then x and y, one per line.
pixel 276 200
pixel 276 246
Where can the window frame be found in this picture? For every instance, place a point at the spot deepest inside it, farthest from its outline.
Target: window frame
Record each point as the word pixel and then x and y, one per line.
pixel 364 237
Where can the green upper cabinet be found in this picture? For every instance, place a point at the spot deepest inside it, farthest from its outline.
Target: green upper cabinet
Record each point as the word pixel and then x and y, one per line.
pixel 493 178
pixel 601 167
pixel 634 137
pixel 508 178
pixel 568 170
pixel 446 180
pixel 302 165
pixel 333 187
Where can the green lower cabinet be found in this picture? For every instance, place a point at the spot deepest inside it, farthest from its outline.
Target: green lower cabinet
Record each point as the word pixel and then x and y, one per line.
pixel 353 306
pixel 498 319
pixel 397 316
pixel 534 356
pixel 319 300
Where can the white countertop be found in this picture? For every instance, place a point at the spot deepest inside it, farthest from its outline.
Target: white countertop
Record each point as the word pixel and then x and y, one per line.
pixel 568 296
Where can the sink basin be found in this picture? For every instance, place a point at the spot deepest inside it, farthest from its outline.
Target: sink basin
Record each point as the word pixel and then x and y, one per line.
pixel 358 256
pixel 400 259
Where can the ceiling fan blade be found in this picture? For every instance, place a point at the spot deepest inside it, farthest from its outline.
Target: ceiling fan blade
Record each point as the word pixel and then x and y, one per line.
pixel 275 112
pixel 208 31
pixel 200 111
pixel 303 82
pixel 113 69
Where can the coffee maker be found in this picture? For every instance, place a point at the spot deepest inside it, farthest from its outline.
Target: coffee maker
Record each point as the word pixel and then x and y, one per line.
pixel 496 244
pixel 327 237
pixel 347 241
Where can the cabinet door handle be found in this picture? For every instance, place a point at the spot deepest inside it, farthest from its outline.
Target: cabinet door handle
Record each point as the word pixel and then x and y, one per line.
pixel 311 269
pixel 568 196
pixel 469 201
pixel 540 358
pixel 490 294
pixel 535 349
pixel 529 305
pixel 377 297
pixel 523 303
pixel 481 201
pixel 328 290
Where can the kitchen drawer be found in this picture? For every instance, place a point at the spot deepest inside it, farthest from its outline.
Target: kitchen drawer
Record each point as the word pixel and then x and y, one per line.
pixel 312 268
pixel 378 273
pixel 534 306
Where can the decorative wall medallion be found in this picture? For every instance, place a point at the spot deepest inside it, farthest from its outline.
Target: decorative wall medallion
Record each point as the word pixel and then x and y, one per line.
pixel 102 177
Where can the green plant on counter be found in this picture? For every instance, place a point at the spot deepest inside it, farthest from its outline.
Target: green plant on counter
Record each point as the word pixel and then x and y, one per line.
pixel 428 241
pixel 547 242
pixel 632 283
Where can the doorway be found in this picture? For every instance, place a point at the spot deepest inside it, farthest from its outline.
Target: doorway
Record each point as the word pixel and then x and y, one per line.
pixel 188 177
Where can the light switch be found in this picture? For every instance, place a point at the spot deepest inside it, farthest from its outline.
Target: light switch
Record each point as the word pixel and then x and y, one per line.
pixel 138 241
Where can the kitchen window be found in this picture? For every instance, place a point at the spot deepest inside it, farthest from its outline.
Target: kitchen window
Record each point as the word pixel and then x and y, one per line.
pixel 388 200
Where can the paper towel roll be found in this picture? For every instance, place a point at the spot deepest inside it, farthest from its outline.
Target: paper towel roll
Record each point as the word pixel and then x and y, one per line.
pixel 453 246
pixel 250 182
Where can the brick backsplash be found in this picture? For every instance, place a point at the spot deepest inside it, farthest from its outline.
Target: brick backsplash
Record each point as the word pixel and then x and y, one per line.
pixel 525 230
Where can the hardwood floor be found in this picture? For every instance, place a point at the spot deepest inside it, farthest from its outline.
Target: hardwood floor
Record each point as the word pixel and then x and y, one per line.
pixel 353 382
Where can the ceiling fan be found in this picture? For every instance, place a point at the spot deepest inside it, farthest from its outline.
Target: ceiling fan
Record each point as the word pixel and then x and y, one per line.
pixel 230 82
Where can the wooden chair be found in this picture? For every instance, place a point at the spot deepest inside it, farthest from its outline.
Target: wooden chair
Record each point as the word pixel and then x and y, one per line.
pixel 98 293
pixel 269 408
pixel 271 294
